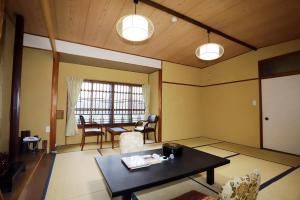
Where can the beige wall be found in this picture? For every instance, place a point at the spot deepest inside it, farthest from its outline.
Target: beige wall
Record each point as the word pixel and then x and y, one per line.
pixel 36 91
pixel 229 113
pixel 87 72
pixel 181 74
pixel 222 112
pixel 182 112
pixel 154 97
pixel 245 66
pixel 181 105
pixel 154 85
pixel 6 61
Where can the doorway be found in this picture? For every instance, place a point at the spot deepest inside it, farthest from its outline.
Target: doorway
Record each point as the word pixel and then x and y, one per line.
pixel 281 113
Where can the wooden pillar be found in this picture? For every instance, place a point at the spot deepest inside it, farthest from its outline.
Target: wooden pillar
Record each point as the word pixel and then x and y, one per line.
pixel 1 196
pixel 16 88
pixel 1 17
pixel 54 102
pixel 160 105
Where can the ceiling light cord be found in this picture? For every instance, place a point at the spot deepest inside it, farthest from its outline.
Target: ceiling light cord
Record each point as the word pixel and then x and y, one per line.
pixel 135 3
pixel 208 38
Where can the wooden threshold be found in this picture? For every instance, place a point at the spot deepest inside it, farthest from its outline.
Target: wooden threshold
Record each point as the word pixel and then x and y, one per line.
pixel 37 186
pixel 33 182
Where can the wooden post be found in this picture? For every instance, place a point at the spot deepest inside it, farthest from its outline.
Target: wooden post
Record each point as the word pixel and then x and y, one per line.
pixel 16 88
pixel 1 17
pixel 160 105
pixel 54 102
pixel 1 196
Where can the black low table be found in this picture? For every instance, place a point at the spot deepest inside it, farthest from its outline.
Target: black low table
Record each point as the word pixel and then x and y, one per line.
pixel 120 181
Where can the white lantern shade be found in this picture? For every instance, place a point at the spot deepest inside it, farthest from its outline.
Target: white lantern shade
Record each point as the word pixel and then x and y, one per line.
pixel 209 51
pixel 135 28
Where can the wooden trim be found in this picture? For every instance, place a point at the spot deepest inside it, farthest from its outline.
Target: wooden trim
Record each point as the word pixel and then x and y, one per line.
pixel 282 65
pixel 111 119
pixel 112 82
pixel 260 110
pixel 291 154
pixel 279 56
pixel 2 14
pixel 54 90
pixel 48 17
pixel 160 105
pixel 229 82
pixel 16 88
pixel 196 23
pixel 282 74
pixel 224 83
pixel 185 84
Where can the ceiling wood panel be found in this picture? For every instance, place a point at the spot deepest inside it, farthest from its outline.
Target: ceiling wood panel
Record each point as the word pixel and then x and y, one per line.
pixel 261 23
pixel 71 17
pixel 92 22
pixel 32 13
pixel 101 20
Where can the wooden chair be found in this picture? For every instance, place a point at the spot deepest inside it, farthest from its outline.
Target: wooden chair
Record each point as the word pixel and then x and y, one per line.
pixel 148 127
pixel 88 132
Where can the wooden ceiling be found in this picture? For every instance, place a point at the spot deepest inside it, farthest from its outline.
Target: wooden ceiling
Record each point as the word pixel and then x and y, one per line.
pixel 92 22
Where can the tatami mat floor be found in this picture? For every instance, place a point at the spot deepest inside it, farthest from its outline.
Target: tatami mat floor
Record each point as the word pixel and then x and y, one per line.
pixel 76 176
pixel 272 156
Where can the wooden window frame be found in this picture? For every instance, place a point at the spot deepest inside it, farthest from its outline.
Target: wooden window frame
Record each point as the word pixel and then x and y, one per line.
pixel 111 121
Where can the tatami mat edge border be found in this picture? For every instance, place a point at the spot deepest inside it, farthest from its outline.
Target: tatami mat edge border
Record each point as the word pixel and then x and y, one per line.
pixel 49 176
pixel 278 177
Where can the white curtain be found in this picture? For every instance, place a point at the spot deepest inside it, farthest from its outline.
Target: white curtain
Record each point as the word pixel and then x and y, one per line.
pixel 74 86
pixel 146 95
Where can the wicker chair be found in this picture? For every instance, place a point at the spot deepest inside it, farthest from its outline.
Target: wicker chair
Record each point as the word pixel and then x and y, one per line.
pixel 131 142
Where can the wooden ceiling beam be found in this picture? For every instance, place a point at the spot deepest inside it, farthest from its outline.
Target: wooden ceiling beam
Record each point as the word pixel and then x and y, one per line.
pixel 49 23
pixel 197 23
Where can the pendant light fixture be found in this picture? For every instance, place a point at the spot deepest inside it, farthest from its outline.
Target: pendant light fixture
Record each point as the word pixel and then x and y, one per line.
pixel 209 51
pixel 135 28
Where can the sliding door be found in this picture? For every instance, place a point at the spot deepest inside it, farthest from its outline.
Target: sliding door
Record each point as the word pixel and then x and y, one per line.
pixel 281 113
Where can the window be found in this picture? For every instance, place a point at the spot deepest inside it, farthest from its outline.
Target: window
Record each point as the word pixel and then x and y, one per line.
pixel 108 103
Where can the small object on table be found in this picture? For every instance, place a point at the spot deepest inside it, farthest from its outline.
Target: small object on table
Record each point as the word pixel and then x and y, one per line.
pixel 32 143
pixel 140 161
pixel 172 149
pixel 115 131
pixel 172 156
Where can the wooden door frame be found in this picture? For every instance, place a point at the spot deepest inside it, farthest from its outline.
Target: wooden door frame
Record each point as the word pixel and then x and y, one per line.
pixel 160 105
